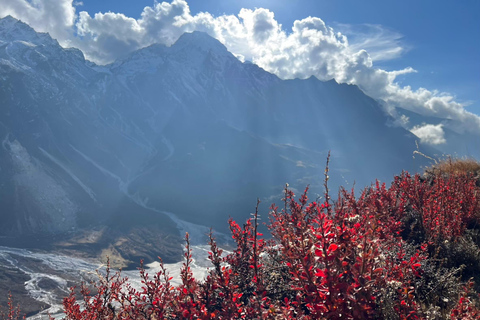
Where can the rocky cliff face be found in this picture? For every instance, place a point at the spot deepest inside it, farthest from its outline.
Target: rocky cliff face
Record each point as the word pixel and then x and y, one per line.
pixel 187 129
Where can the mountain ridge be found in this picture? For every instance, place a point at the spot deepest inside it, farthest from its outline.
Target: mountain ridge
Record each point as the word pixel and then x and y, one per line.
pixel 187 129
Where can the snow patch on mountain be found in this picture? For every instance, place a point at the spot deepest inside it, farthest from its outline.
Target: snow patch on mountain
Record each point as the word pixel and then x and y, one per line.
pixel 48 198
pixel 70 173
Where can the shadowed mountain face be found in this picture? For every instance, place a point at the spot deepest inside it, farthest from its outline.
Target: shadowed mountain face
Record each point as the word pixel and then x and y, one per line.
pixel 187 129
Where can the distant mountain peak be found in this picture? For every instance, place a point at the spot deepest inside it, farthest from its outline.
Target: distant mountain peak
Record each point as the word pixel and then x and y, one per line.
pixel 8 20
pixel 191 48
pixel 12 29
pixel 201 41
pixel 97 143
pixel 10 24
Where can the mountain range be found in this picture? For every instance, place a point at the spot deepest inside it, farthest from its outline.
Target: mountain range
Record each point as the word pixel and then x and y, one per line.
pixel 187 129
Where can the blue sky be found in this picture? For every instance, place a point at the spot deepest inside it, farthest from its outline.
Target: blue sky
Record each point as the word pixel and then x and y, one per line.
pixel 441 38
pixel 419 55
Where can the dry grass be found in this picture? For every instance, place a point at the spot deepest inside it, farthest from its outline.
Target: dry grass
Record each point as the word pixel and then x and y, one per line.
pixel 451 165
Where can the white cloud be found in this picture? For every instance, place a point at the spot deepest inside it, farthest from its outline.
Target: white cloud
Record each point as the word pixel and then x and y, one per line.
pixel 430 134
pixel 107 36
pixel 309 48
pixel 401 121
pixel 380 42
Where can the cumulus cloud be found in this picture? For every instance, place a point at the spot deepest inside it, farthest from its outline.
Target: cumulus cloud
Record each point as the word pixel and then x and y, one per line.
pixel 430 134
pixel 107 36
pixel 310 48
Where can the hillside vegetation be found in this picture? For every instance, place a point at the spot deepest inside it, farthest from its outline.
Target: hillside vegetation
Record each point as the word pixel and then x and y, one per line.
pixel 410 250
pixel 451 166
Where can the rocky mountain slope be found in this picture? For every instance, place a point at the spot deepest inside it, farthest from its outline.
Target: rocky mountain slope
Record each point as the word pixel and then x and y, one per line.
pixel 187 129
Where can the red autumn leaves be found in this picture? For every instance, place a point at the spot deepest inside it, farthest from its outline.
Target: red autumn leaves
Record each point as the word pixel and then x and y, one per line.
pixel 365 257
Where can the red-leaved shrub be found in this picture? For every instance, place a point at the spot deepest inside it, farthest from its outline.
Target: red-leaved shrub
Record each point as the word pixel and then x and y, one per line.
pixel 12 312
pixel 386 254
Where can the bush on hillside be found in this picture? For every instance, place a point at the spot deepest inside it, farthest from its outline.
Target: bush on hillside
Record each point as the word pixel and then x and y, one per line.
pixel 408 251
pixel 11 312
pixel 455 166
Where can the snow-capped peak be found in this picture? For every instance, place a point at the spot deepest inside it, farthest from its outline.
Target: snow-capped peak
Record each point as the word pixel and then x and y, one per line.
pixel 7 22
pixel 202 42
pixel 12 29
